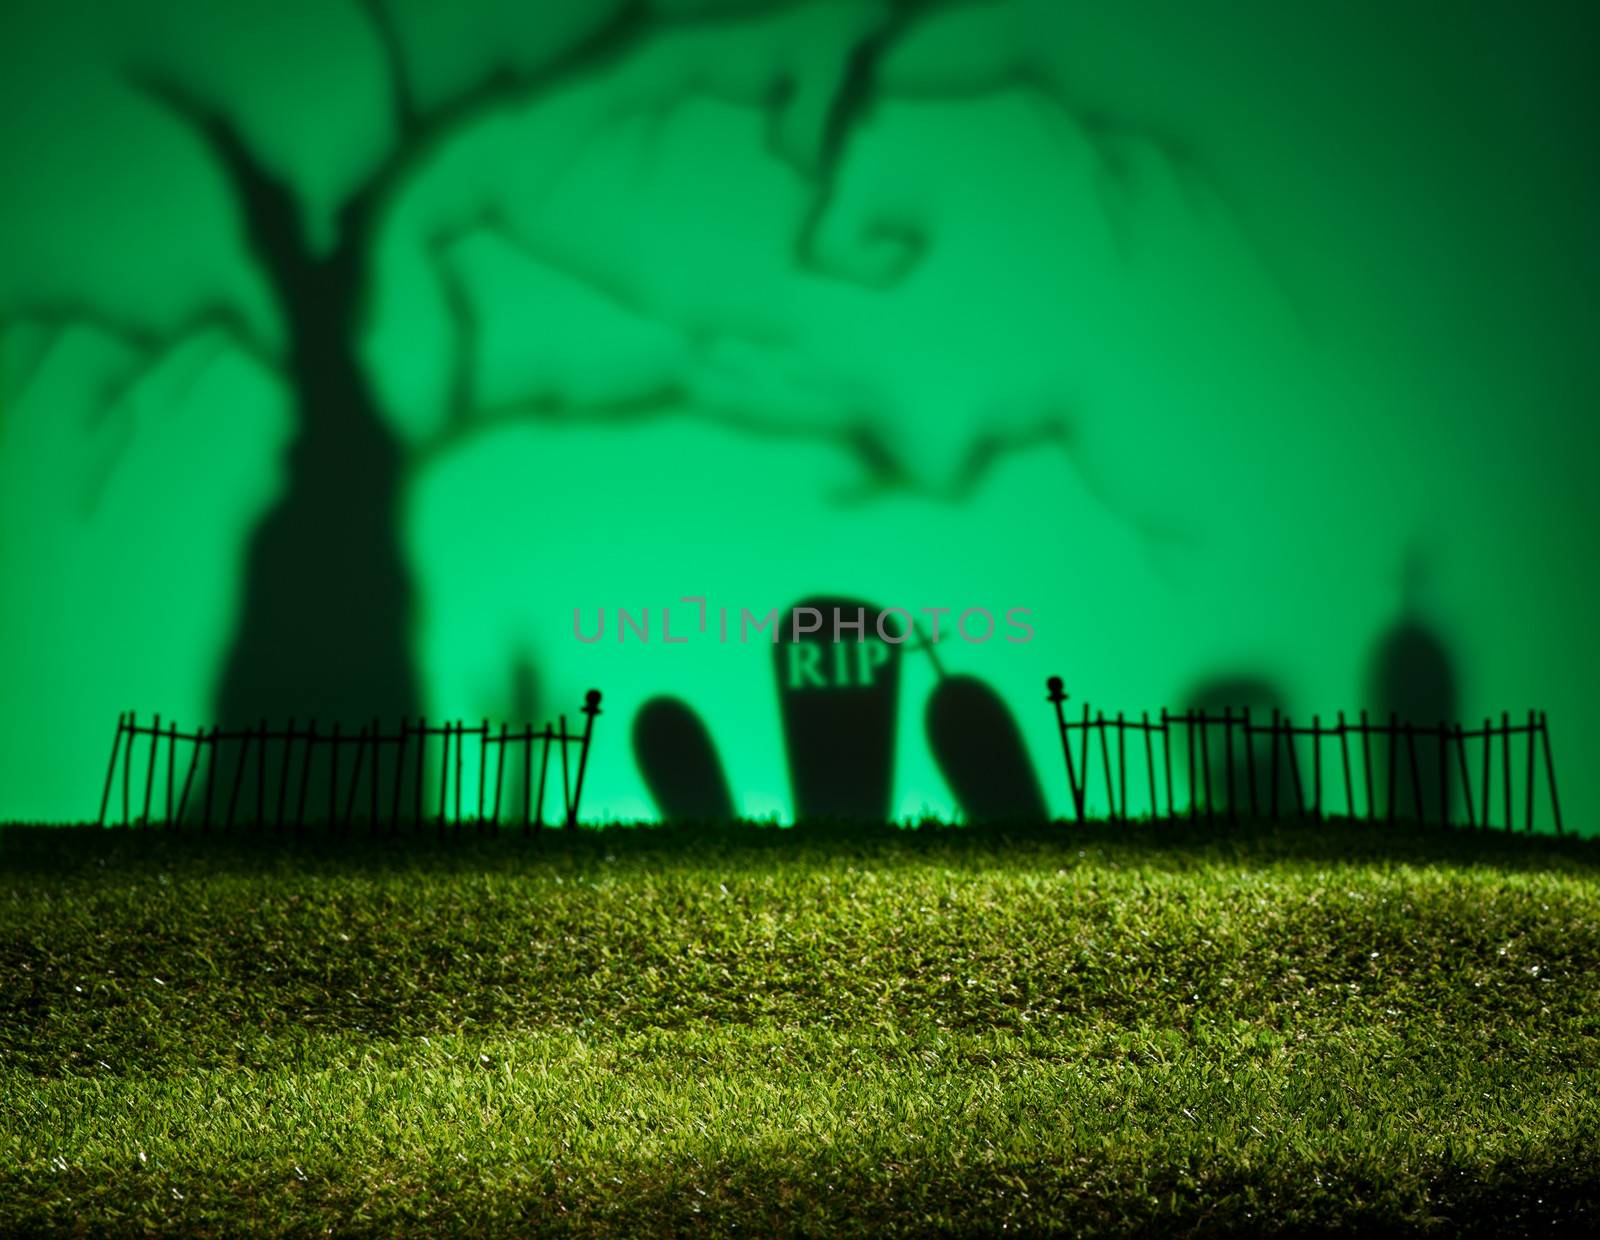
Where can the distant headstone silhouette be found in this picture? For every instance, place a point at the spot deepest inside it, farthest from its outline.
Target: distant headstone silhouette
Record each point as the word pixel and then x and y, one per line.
pixel 1412 676
pixel 839 703
pixel 679 762
pixel 1238 692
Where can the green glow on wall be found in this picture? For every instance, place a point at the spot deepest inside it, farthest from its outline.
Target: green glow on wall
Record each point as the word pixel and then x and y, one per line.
pixel 1185 330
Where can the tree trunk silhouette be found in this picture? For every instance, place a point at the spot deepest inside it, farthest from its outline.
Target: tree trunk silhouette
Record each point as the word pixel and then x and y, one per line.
pixel 325 611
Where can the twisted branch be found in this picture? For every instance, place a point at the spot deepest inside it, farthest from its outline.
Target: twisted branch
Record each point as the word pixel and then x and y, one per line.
pixel 153 349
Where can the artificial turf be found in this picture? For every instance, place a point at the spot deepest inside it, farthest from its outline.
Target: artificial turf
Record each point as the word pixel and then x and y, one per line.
pixel 1339 1028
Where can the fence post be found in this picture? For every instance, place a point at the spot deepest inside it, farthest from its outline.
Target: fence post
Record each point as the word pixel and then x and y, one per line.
pixel 283 773
pixel 1105 760
pixel 1488 766
pixel 399 777
pixel 1083 758
pixel 1550 770
pixel 238 778
pixel 1530 771
pixel 150 773
pixel 1416 771
pixel 483 769
pixel 1444 776
pixel 1294 769
pixel 444 780
pixel 1316 767
pixel 1150 762
pixel 376 738
pixel 1466 777
pixel 591 708
pixel 111 768
pixel 333 778
pixel 1349 783
pixel 1366 766
pixel 461 745
pixel 305 777
pixel 1505 756
pixel 544 768
pixel 211 778
pixel 566 778
pixel 1122 768
pixel 172 759
pixel 422 755
pixel 1205 761
pixel 499 776
pixel 1394 745
pixel 1166 760
pixel 1057 696
pixel 355 777
pixel 188 779
pixel 1273 773
pixel 1188 732
pixel 527 778
pixel 1227 759
pixel 127 762
pixel 261 779
pixel 1250 763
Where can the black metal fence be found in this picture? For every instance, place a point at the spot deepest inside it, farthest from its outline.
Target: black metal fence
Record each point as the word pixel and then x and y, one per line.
pixel 285 779
pixel 1377 770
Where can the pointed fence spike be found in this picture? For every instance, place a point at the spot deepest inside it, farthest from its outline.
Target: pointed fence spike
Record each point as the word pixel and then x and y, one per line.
pixel 1550 771
pixel 111 769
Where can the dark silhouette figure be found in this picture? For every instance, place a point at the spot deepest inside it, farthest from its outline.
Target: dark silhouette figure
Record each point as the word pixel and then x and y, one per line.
pixel 1237 692
pixel 1412 676
pixel 981 753
pixel 679 762
pixel 840 702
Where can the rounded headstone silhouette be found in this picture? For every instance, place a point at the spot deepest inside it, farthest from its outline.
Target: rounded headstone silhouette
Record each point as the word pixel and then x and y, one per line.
pixel 679 762
pixel 980 751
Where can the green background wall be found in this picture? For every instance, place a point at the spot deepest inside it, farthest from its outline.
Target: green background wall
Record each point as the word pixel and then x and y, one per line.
pixel 1253 301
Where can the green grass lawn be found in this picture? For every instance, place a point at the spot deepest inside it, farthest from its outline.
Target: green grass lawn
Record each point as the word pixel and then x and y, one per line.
pixel 1054 1030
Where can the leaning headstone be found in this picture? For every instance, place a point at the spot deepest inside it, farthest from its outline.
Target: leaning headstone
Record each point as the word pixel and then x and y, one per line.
pixel 679 762
pixel 839 701
pixel 980 751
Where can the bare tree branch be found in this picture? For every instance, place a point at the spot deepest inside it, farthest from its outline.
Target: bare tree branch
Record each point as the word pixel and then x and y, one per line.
pixel 463 407
pixel 270 211
pixel 900 243
pixel 1109 139
pixel 676 399
pixel 629 26
pixel 402 98
pixel 461 387
pixel 856 97
pixel 153 350
pixel 853 434
pixel 60 320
